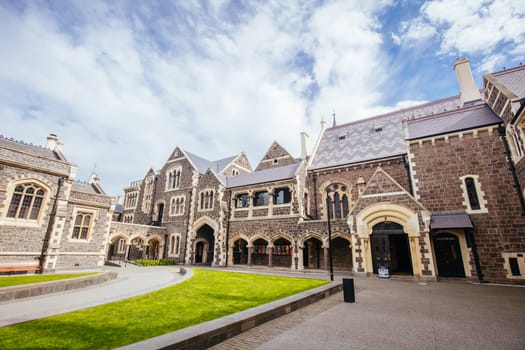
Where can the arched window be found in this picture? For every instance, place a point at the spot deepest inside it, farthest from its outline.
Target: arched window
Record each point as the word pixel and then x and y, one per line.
pixel 472 193
pixel 82 226
pixel 473 196
pixel 206 200
pixel 26 202
pixel 337 202
pixel 173 179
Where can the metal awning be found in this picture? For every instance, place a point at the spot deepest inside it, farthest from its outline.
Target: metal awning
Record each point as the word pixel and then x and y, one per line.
pixel 443 221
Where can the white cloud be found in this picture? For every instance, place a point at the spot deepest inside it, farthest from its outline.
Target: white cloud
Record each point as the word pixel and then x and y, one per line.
pixel 122 86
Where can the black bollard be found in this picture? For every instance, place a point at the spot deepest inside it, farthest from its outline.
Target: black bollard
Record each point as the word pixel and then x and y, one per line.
pixel 348 290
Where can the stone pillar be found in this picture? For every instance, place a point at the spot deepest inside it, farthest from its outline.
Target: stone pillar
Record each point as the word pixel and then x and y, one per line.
pixel 145 252
pixel 326 264
pixel 270 256
pixel 250 252
pixel 126 253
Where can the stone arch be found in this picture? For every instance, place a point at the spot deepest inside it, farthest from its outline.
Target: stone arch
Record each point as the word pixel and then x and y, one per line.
pixel 463 246
pixel 257 237
pixel 205 220
pixel 238 249
pixel 279 236
pixel 309 235
pixel 237 237
pixel 389 212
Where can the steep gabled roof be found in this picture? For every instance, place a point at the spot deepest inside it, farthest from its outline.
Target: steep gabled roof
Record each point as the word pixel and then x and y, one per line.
pixel 275 156
pixel 512 79
pixel 373 138
pixel 263 176
pixel 453 121
pixel 203 164
pixel 29 148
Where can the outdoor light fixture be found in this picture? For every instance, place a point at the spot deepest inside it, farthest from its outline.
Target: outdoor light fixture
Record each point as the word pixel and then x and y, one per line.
pixel 329 213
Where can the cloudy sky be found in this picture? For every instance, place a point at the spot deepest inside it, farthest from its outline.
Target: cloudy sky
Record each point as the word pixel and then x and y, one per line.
pixel 124 82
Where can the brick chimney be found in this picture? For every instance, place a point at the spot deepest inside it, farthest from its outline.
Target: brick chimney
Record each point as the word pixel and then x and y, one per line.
pixel 468 89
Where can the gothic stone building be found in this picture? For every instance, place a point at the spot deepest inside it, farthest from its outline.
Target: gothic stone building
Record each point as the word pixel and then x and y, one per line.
pixel 47 219
pixel 430 191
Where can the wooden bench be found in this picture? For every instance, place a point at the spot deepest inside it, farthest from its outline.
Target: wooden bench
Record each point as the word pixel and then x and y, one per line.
pixel 18 266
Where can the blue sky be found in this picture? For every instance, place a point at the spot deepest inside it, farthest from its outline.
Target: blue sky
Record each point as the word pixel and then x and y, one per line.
pixel 122 83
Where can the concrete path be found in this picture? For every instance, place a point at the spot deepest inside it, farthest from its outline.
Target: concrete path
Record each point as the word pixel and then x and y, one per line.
pixel 131 281
pixel 396 314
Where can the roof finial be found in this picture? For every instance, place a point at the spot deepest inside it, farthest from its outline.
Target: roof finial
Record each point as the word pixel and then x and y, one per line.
pixel 334 122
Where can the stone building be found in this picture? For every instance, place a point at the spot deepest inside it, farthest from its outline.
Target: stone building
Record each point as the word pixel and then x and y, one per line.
pixel 47 218
pixel 434 190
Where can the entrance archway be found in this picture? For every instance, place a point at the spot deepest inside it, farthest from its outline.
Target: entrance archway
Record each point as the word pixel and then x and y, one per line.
pixel 204 245
pixel 313 254
pixel 240 252
pixel 341 254
pixel 153 250
pixel 390 248
pixel 260 252
pixel 136 249
pixel 448 255
pixel 282 253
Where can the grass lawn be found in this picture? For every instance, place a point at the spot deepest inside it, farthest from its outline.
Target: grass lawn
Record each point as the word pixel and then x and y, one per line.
pixel 7 281
pixel 205 296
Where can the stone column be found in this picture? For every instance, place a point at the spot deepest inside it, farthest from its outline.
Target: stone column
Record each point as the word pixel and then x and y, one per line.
pixel 270 256
pixel 250 252
pixel 326 265
pixel 126 253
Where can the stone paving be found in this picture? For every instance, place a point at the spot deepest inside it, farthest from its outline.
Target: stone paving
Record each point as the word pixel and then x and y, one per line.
pixel 396 314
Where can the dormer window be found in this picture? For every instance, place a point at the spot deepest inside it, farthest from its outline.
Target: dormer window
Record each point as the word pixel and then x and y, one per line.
pixel 235 172
pixel 378 128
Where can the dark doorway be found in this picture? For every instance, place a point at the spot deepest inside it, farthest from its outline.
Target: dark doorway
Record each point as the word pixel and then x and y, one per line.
pixel 240 252
pixel 390 249
pixel 448 255
pixel 282 253
pixel 199 252
pixel 260 252
pixel 204 246
pixel 341 254
pixel 313 254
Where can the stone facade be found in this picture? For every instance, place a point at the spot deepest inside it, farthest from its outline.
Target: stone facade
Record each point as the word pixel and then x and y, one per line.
pixel 431 191
pixel 45 215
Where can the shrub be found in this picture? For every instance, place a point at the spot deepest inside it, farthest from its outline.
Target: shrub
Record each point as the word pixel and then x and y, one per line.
pixel 144 262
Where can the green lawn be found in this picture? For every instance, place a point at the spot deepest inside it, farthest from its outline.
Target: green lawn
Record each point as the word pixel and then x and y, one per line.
pixel 205 296
pixel 7 281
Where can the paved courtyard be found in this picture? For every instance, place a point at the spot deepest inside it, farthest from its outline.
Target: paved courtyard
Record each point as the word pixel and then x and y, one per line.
pixel 395 314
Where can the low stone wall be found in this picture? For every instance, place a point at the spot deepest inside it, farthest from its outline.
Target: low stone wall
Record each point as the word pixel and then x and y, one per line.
pixel 213 332
pixel 36 289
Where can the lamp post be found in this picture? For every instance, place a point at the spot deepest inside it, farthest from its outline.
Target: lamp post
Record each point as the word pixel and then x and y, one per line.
pixel 329 213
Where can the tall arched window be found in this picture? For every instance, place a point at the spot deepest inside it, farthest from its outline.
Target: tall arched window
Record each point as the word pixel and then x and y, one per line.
pixel 173 179
pixel 473 196
pixel 472 193
pixel 337 202
pixel 26 202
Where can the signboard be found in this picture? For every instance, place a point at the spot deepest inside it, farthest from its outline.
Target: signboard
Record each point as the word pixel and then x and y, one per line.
pixel 382 272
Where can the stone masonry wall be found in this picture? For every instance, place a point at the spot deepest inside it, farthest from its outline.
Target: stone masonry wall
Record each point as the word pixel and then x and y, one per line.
pixel 438 166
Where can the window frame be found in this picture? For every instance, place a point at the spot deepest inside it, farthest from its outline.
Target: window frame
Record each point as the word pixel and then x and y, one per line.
pixel 258 195
pixel 206 199
pixel 287 195
pixel 177 205
pixel 93 213
pixel 467 195
pixel 29 219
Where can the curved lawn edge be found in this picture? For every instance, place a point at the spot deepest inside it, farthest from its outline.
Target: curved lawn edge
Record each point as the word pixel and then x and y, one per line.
pixel 213 332
pixel 20 291
pixel 207 296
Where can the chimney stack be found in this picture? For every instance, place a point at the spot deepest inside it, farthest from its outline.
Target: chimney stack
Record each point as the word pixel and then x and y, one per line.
pixel 468 90
pixel 54 143
pixel 304 145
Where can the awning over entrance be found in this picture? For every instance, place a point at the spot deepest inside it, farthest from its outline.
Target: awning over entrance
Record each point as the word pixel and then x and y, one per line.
pixel 444 221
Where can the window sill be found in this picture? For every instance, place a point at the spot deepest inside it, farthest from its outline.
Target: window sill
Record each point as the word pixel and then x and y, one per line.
pixel 20 223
